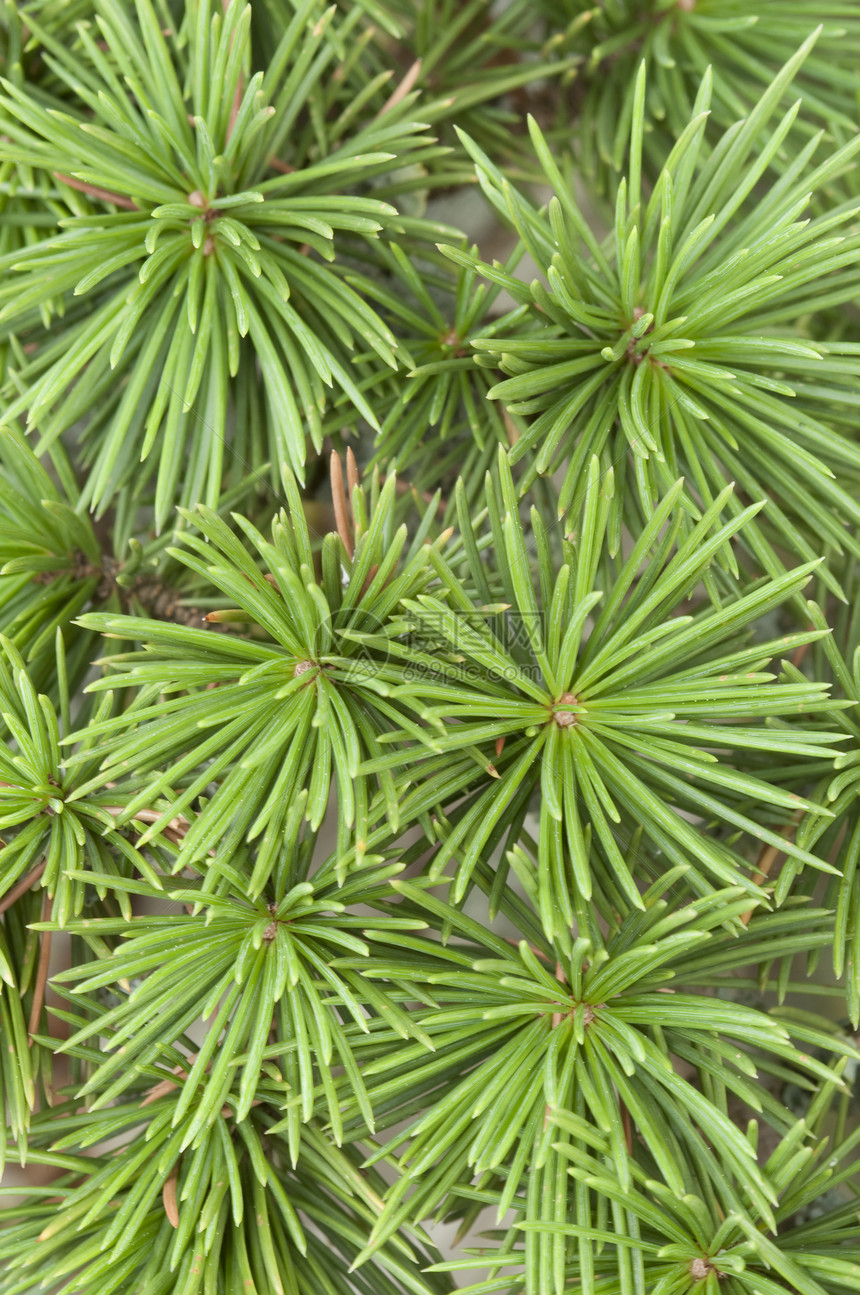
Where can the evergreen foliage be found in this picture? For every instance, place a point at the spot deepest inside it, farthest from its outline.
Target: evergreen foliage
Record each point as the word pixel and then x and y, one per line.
pixel 429 656
pixel 743 43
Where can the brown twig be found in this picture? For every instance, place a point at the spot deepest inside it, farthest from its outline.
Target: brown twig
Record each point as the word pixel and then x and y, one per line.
pixel 175 830
pixel 41 971
pixel 628 1129
pixel 510 427
pixel 168 1196
pixel 368 580
pixel 231 122
pixel 164 1086
pixel 402 89
pixel 559 975
pixel 338 498
pixel 352 481
pixel 104 194
pixel 768 857
pixel 801 652
pixel 21 887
